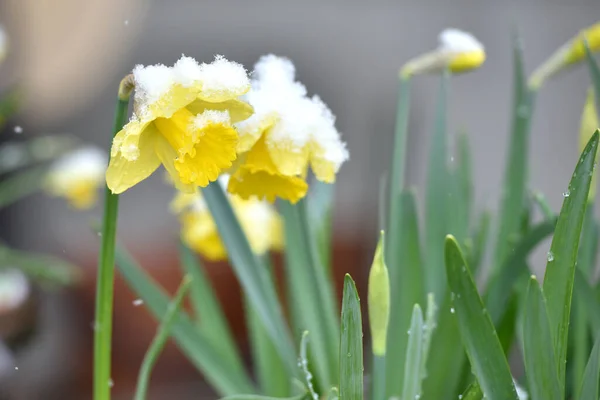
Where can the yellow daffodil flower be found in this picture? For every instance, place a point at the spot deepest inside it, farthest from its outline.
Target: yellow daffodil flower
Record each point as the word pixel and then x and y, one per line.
pixel 288 133
pixel 183 118
pixel 77 177
pixel 458 51
pixel 589 124
pixel 569 54
pixel 258 219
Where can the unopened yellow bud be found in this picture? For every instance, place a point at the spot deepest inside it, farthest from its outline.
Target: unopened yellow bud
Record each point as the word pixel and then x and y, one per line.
pixel 589 124
pixel 379 300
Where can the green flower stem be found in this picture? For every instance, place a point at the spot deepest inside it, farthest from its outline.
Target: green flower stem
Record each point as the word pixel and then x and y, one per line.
pixel 397 179
pixel 160 339
pixel 378 376
pixel 106 268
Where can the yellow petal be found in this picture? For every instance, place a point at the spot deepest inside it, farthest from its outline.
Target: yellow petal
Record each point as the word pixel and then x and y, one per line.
pixel 123 173
pixel 183 201
pixel 249 181
pixel 288 158
pixel 168 104
pixel 167 156
pixel 214 152
pixel 576 52
pixel 252 129
pixel 466 61
pixel 176 130
pixel 238 110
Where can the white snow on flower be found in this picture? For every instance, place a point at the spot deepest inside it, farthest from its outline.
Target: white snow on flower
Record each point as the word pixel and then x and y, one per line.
pixel 3 43
pixel 152 82
pixel 186 71
pixel 300 120
pixel 457 41
pixel 14 289
pixel 86 162
pixel 223 77
pixel 209 117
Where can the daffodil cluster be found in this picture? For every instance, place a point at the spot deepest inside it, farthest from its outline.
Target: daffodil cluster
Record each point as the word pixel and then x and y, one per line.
pixel 258 219
pixel 183 119
pixel 458 51
pixel 77 176
pixel 288 133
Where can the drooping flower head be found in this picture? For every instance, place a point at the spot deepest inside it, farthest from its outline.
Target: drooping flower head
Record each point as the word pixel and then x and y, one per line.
pixel 258 219
pixel 288 133
pixel 458 51
pixel 183 118
pixel 567 55
pixel 77 176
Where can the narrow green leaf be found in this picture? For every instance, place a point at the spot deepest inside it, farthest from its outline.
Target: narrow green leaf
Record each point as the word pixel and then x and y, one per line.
pixel 406 290
pixel 560 269
pixel 465 179
pixel 224 377
pixel 414 351
pixel 312 293
pixel 538 349
pixel 472 392
pixel 304 366
pixel 42 268
pixel 351 350
pixel 160 339
pixel 251 274
pixel 542 203
pixel 515 178
pixel 436 200
pixel 211 319
pixel 477 331
pixel 594 72
pixel 480 240
pixel 303 396
pixel 501 284
pixel 587 295
pixel 21 184
pixel 319 207
pixel 428 329
pixel 591 376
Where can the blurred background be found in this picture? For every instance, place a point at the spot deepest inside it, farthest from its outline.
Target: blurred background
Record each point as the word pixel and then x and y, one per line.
pixel 69 56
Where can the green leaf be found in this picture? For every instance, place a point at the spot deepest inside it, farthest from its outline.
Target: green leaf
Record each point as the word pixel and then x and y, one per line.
pixel 211 319
pixel 269 368
pixel 351 350
pixel 587 295
pixel 258 397
pixel 591 376
pixel 594 72
pixel 472 392
pixel 21 184
pixel 251 274
pixel 312 293
pixel 414 351
pixel 406 290
pixel 436 200
pixel 319 207
pixel 304 366
pixel 560 269
pixel 428 329
pixel 41 268
pixel 334 394
pixel 540 200
pixel 515 178
pixel 480 240
pixel 460 192
pixel 160 339
pixel 223 376
pixel 538 350
pixel 514 267
pixel 477 331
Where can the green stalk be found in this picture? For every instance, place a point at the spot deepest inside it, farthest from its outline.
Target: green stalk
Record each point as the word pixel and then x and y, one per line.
pixel 397 179
pixel 378 377
pixel 106 267
pixel 160 339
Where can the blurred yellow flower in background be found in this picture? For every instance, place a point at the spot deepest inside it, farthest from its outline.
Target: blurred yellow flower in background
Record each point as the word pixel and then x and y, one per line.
pixel 183 118
pixel 458 51
pixel 288 133
pixel 258 219
pixel 77 176
pixel 589 124
pixel 568 54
